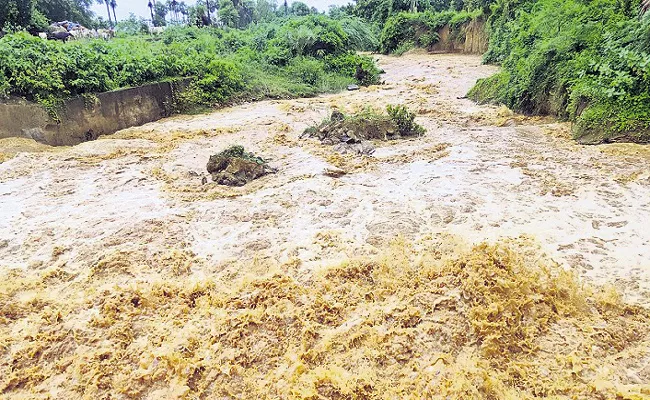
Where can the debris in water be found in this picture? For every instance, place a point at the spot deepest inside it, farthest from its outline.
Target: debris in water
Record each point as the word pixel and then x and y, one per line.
pixel 235 167
pixel 334 172
pixel 351 134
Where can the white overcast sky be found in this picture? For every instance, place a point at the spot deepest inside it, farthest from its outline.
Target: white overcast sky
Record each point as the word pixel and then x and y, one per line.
pixel 139 7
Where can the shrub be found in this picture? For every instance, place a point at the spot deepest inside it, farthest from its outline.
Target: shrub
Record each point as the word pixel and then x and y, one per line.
pixel 313 35
pixel 583 61
pixel 416 29
pixel 405 120
pixel 222 81
pixel 403 48
pixel 361 35
pixel 298 56
pixel 349 64
pixel 306 70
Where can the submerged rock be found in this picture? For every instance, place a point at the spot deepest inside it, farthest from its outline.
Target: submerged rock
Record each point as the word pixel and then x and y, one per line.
pixel 236 167
pixel 352 134
pixel 334 172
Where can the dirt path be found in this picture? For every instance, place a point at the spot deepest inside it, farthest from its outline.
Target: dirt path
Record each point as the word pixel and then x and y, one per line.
pixel 480 173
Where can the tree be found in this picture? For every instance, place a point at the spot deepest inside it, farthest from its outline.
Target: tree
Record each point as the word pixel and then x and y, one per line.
pixel 150 5
pixel 246 10
pixel 113 5
pixel 182 8
pixel 207 7
pixel 16 13
pixel 265 10
pixel 70 10
pixel 299 8
pixel 228 14
pixel 38 14
pixel 379 10
pixel 108 10
pixel 172 5
pixel 132 25
pixel 196 15
pixel 160 13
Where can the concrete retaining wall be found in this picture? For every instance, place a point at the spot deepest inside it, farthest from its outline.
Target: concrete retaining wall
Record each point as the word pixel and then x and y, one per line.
pixel 85 118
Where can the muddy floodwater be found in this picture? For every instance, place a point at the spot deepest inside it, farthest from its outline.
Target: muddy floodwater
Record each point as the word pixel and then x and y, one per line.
pixel 123 274
pixel 480 172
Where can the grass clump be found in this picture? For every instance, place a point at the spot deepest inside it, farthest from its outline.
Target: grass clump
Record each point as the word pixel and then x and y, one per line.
pixel 238 151
pixel 405 120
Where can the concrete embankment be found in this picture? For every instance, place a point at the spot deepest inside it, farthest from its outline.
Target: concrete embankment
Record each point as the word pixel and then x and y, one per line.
pixel 88 117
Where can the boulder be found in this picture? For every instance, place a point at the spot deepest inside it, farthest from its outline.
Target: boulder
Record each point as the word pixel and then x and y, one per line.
pixel 235 167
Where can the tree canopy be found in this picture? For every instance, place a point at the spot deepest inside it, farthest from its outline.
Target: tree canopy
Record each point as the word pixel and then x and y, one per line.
pixel 37 14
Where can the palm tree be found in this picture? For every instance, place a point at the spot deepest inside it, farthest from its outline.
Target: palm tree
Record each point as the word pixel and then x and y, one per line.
pixel 108 9
pixel 172 7
pixel 113 5
pixel 150 5
pixel 207 4
pixel 175 9
pixel 182 8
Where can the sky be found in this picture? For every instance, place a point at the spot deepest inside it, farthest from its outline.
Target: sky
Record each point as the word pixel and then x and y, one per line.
pixel 139 7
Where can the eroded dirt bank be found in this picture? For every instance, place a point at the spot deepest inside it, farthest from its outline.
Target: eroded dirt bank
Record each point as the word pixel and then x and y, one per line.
pixel 90 225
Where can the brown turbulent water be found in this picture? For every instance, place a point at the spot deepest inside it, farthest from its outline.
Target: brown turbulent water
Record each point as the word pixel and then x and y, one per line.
pixel 123 276
pixel 480 172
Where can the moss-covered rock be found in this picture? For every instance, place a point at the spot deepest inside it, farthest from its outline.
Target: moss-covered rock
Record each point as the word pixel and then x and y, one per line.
pixel 236 167
pixel 351 134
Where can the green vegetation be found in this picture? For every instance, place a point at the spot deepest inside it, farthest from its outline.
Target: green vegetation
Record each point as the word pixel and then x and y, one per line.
pixel 238 151
pixel 405 30
pixel 37 14
pixel 405 24
pixel 298 56
pixel 397 122
pixel 585 61
pixel 405 120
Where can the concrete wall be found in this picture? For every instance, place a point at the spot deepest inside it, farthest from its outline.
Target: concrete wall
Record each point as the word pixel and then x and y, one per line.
pixel 82 119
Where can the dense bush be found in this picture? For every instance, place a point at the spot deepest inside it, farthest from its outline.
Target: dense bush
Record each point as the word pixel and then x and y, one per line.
pixel 313 35
pixel 351 64
pixel 405 30
pixel 361 35
pixel 306 70
pixel 221 81
pixel 378 11
pixel 584 61
pixel 405 120
pixel 297 56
